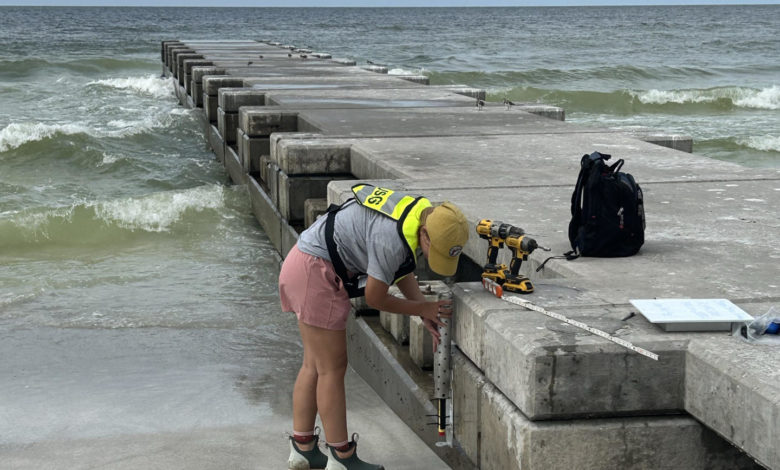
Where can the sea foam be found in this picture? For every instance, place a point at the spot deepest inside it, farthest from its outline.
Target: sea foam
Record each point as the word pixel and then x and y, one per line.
pixel 766 98
pixel 87 221
pixel 151 85
pixel 766 143
pixel 400 71
pixel 17 134
pixel 158 212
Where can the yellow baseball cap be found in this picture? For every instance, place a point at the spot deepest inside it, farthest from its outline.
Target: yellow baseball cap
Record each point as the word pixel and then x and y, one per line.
pixel 449 231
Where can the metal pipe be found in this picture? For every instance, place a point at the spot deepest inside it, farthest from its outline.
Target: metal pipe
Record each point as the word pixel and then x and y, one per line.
pixel 442 372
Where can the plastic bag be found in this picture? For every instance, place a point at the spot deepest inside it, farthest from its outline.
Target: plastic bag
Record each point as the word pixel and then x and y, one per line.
pixel 762 330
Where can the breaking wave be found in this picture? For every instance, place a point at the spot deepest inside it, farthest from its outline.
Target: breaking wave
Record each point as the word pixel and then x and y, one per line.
pixel 17 134
pixel 649 101
pixel 766 98
pixel 20 133
pixel 765 143
pixel 89 223
pixel 152 85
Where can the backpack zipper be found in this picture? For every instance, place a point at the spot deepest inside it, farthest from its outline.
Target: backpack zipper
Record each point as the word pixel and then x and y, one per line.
pixel 620 214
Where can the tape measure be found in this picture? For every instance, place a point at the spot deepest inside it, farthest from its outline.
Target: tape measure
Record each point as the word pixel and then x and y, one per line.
pixel 496 290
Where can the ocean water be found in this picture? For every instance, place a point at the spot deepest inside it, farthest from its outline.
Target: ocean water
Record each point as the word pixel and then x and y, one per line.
pixel 114 217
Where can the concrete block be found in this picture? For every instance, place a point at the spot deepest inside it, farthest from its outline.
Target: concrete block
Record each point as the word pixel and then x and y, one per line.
pixel 250 151
pixel 294 190
pixel 231 99
pixel 172 52
pixel 394 323
pixel 210 107
pixel 211 86
pixel 164 45
pixel 736 396
pixel 570 378
pixel 265 213
pixel 173 65
pixel 186 79
pixel 550 112
pixel 313 208
pixel 255 148
pixel 233 166
pixel 300 157
pixel 321 55
pixel 683 143
pixel 272 183
pixel 241 144
pixel 421 79
pixel 359 304
pixel 508 440
pixel 420 344
pixel 384 320
pixel 260 122
pixel 558 371
pixel 196 91
pixel 342 61
pixel 212 83
pixel 375 68
pixel 227 123
pixel 399 328
pixel 199 72
pixel 467 384
pixel 180 58
pixel 289 238
pixel 476 93
pixel 264 167
pixel 217 144
pixel 169 50
pixel 277 137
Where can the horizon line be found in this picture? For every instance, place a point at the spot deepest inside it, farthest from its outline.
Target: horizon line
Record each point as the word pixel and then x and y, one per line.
pixel 714 4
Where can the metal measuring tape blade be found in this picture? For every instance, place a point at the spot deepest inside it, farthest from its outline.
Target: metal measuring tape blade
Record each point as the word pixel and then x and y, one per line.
pixel 496 290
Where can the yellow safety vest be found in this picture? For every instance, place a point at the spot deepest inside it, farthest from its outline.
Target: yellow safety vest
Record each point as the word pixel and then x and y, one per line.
pixel 405 209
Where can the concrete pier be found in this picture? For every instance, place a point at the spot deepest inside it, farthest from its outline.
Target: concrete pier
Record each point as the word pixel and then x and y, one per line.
pixel 529 392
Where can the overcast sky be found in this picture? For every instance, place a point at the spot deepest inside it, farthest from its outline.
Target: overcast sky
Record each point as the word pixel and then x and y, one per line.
pixel 385 3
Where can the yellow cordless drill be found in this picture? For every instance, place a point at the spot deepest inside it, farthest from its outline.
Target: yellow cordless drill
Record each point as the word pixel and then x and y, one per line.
pixel 497 234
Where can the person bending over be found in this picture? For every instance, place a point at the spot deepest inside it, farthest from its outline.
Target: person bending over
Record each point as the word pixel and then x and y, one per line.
pixel 359 248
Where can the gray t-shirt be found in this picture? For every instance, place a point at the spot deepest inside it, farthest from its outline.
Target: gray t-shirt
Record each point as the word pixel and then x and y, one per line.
pixel 367 241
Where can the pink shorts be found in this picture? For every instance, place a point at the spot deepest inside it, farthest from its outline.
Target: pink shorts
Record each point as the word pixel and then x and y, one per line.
pixel 310 287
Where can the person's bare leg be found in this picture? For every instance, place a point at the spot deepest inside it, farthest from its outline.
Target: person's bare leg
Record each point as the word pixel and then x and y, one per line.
pixel 327 349
pixel 305 393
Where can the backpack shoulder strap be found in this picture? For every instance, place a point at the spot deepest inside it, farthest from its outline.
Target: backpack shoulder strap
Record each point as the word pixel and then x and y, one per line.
pixel 351 285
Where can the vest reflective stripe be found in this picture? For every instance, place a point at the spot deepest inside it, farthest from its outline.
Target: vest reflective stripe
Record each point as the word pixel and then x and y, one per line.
pixel 402 207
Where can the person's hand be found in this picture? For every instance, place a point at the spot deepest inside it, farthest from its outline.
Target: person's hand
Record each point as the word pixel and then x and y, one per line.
pixel 435 311
pixel 432 314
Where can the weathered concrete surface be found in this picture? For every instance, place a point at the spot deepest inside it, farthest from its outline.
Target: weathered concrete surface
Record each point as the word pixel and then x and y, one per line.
pixel 376 98
pixel 496 435
pixel 230 99
pixel 737 395
pixel 343 80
